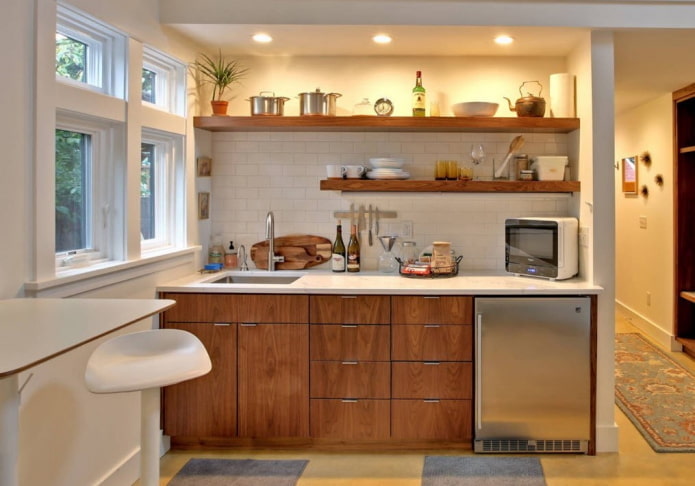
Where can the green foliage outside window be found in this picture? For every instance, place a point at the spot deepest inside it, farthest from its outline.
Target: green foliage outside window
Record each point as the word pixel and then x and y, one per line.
pixel 71 58
pixel 70 190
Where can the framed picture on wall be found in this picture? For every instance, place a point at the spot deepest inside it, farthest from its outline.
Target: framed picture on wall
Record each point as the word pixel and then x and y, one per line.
pixel 629 174
pixel 203 166
pixel 203 205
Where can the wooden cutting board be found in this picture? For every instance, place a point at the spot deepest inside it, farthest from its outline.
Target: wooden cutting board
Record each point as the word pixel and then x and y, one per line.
pixel 300 251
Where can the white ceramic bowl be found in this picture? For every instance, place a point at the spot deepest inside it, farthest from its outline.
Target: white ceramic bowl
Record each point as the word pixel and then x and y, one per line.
pixel 475 108
pixel 386 163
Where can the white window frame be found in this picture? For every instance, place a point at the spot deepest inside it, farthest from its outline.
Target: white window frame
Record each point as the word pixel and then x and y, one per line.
pixel 106 51
pixel 104 200
pixel 170 86
pixel 168 173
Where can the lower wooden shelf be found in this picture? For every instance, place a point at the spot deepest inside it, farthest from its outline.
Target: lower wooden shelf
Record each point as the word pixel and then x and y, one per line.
pixel 412 185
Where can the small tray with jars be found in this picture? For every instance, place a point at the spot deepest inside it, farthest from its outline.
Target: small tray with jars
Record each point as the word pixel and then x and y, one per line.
pixel 420 269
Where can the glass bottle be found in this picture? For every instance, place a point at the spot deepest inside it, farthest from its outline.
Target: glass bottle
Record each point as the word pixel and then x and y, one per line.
pixel 409 253
pixel 338 251
pixel 353 252
pixel 419 96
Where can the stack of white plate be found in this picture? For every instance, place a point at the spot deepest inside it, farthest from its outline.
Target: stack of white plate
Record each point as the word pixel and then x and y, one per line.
pixel 387 168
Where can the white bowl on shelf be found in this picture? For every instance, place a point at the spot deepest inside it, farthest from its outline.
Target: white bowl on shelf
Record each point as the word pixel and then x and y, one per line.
pixel 386 163
pixel 475 108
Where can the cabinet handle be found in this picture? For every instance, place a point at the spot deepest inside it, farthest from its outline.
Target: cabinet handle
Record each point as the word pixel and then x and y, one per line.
pixel 431 297
pixel 431 325
pixel 221 324
pixel 478 373
pixel 249 324
pixel 349 400
pixel 432 363
pixel 349 362
pixel 350 326
pixel 348 296
pixel 431 400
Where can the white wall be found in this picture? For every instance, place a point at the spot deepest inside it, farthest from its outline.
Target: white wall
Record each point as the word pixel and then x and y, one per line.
pixel 644 257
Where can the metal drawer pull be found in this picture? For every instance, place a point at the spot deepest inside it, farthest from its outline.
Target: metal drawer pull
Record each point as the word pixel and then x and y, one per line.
pixel 351 326
pixel 431 400
pixel 349 362
pixel 249 324
pixel 348 296
pixel 432 325
pixel 432 363
pixel 349 400
pixel 221 324
pixel 431 297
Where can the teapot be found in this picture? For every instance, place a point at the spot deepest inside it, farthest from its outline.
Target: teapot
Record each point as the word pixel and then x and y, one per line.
pixel 528 105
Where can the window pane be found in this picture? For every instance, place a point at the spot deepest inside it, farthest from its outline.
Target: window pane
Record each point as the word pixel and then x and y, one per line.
pixel 71 58
pixel 148 86
pixel 72 190
pixel 147 191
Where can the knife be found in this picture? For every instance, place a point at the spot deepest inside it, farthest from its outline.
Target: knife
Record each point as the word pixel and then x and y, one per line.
pixel 376 227
pixel 370 226
pixel 352 214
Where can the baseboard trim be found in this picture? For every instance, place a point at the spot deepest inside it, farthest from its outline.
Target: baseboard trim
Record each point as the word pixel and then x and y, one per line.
pixel 650 328
pixel 127 472
pixel 607 438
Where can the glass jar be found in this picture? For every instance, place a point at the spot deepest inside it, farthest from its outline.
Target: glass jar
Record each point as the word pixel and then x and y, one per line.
pixel 409 253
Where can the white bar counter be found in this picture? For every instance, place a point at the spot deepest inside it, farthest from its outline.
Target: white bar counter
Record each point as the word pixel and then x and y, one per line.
pixel 35 330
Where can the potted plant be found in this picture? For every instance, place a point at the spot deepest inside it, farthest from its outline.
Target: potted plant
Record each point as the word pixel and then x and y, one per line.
pixel 221 73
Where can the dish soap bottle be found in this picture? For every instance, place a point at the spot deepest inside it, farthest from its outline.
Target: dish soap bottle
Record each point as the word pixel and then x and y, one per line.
pixel 338 251
pixel 230 257
pixel 419 96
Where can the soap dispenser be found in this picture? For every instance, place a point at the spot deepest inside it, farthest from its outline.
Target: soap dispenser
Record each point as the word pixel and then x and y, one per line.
pixel 230 257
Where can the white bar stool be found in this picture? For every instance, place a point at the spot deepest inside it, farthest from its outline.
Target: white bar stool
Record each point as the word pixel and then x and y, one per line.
pixel 145 361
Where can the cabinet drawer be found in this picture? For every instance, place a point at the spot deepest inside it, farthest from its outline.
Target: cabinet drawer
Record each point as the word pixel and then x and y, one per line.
pixel 410 309
pixel 431 419
pixel 356 379
pixel 284 309
pixel 350 309
pixel 201 308
pixel 349 342
pixel 350 419
pixel 432 342
pixel 432 380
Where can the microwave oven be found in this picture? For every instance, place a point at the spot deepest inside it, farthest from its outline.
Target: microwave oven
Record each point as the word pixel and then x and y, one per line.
pixel 542 247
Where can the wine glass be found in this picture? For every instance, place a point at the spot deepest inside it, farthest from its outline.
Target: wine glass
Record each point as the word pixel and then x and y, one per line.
pixel 477 153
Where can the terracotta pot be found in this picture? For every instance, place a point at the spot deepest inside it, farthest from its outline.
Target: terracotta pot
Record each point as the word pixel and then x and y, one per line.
pixel 219 107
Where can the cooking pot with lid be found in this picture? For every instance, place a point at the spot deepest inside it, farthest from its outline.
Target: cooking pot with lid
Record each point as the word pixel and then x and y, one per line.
pixel 528 105
pixel 318 103
pixel 267 105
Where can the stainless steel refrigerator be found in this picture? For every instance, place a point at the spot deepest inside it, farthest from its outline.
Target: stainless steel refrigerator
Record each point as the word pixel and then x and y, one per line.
pixel 532 374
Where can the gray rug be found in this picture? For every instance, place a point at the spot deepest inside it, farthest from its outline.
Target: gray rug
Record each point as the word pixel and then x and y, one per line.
pixel 482 471
pixel 239 472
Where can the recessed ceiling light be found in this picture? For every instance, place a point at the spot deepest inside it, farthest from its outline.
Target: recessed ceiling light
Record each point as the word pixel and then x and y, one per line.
pixel 262 38
pixel 504 40
pixel 382 38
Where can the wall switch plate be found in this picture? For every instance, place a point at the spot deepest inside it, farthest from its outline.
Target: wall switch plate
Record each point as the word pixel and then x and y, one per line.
pixel 405 229
pixel 649 299
pixel 584 236
pixel 643 222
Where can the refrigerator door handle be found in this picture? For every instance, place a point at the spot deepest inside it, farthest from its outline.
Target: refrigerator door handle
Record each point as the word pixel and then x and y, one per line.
pixel 478 370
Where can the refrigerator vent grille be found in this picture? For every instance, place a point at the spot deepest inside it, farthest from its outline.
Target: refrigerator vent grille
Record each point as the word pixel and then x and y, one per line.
pixel 517 445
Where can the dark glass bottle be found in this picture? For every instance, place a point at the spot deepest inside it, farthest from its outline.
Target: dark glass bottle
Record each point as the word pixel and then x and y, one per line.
pixel 338 251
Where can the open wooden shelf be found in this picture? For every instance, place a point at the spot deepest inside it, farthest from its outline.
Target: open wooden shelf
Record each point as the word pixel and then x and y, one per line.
pixel 411 185
pixel 385 124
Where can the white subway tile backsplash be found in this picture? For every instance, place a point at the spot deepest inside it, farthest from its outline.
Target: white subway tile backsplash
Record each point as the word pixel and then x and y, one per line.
pixel 254 172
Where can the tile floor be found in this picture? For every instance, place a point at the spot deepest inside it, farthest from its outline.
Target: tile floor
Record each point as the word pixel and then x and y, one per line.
pixel 635 465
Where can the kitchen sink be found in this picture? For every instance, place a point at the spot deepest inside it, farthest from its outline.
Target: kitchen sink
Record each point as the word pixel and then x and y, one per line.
pixel 256 279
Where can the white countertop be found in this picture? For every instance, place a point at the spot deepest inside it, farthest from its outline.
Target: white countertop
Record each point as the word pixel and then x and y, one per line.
pixel 324 282
pixel 34 330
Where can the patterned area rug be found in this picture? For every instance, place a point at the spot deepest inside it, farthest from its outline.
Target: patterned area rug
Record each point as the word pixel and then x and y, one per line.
pixel 656 393
pixel 239 472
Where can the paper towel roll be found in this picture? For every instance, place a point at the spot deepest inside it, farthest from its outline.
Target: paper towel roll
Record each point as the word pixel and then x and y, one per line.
pixel 562 95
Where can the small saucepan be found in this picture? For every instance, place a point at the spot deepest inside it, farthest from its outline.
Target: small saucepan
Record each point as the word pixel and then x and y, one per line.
pixel 266 103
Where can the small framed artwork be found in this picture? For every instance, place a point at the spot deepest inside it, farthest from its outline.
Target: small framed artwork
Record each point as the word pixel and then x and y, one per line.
pixel 203 166
pixel 629 173
pixel 203 205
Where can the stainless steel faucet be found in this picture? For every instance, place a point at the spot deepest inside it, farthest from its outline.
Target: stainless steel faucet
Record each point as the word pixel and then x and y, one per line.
pixel 242 259
pixel 270 236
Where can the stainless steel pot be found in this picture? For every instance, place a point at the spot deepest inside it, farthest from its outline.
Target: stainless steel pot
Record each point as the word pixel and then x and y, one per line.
pixel 528 105
pixel 318 103
pixel 267 105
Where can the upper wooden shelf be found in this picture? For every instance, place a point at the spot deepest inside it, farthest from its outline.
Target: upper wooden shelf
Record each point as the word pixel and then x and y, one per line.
pixel 411 185
pixel 385 124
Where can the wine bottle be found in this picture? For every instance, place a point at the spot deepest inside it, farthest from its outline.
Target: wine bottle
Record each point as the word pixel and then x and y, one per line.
pixel 338 251
pixel 353 252
pixel 419 96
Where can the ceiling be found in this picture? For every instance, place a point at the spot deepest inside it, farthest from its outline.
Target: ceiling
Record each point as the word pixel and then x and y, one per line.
pixel 648 62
